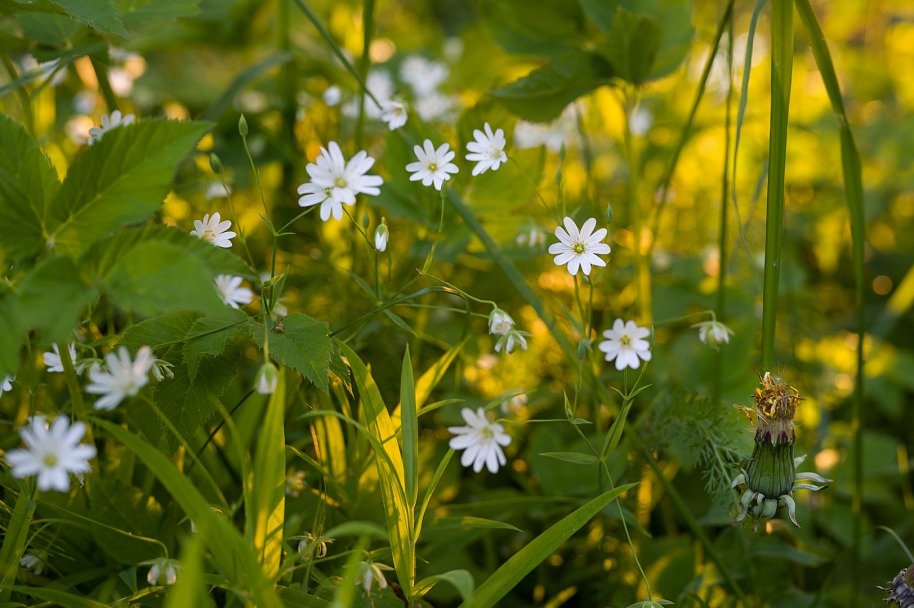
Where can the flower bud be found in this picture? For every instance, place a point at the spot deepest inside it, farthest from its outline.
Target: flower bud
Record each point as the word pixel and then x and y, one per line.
pixel 243 126
pixel 267 378
pixel 500 322
pixel 381 235
pixel 215 163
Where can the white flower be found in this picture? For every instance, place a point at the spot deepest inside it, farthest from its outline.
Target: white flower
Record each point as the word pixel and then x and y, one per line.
pixel 231 291
pixel 52 359
pixel 267 379
pixel 500 322
pixel 626 343
pixel 335 182
pixel 481 441
pixel 381 86
pixel 369 572
pixel 394 114
pixel 433 165
pixel 7 384
pixel 640 121
pixel 332 96
pixel 423 75
pixel 532 237
pixel 579 249
pixel 52 452
pixel 122 378
pixel 713 333
pixel 295 483
pixel 488 151
pixel 163 566
pixel 162 369
pixel 562 131
pixel 33 563
pixel 217 190
pixel 213 230
pixel 434 107
pixel 381 236
pixel 510 339
pixel 109 123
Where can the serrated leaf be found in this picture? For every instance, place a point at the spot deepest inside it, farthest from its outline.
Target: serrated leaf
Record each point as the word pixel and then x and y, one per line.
pixel 572 457
pixel 632 45
pixel 208 336
pixel 143 12
pixel 542 95
pixel 189 402
pixel 166 329
pixel 545 29
pixel 303 344
pixel 157 277
pixel 101 15
pixel 28 182
pixel 120 180
pixel 52 298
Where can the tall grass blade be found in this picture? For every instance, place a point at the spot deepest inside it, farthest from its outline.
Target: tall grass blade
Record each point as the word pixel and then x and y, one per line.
pixel 410 431
pixel 853 192
pixel 269 494
pixel 14 540
pixel 781 79
pixel 491 592
pixel 191 588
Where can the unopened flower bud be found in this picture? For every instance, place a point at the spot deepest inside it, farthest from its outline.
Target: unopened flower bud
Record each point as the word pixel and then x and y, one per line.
pixel 267 378
pixel 500 322
pixel 381 235
pixel 215 163
pixel 243 126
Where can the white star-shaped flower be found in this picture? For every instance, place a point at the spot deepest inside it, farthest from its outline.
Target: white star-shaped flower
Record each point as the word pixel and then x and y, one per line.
pixel 164 569
pixel 394 114
pixel 52 452
pixel 511 339
pixel 213 230
pixel 488 151
pixel 335 182
pixel 713 333
pixel 108 123
pixel 52 360
pixel 368 573
pixel 579 249
pixel 121 377
pixel 433 166
pixel 231 291
pixel 481 441
pixel 423 75
pixel 626 343
pixel 500 322
pixel 34 563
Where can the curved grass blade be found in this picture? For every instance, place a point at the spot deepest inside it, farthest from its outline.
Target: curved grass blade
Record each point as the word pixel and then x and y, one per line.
pixel 524 561
pixel 14 541
pixel 266 517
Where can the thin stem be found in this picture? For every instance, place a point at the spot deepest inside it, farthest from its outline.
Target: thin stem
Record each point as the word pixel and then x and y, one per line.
pixel 642 261
pixel 101 75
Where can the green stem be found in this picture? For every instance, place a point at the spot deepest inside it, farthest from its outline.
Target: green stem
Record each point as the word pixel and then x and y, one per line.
pixel 642 261
pixel 76 396
pixel 781 75
pixel 101 75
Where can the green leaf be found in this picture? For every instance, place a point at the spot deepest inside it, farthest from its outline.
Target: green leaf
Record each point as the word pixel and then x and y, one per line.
pixel 433 375
pixel 572 457
pixel 632 46
pixel 461 580
pixel 60 598
pixel 409 422
pixel 134 514
pixel 601 12
pixel 28 182
pixel 11 336
pixel 614 434
pixel 101 15
pixel 52 299
pixel 302 344
pixel 164 330
pixel 542 95
pixel 269 496
pixel 15 538
pixel 397 512
pixel 545 29
pixel 208 336
pixel 188 402
pixel 157 277
pixel 468 521
pixel 230 552
pixel 143 11
pixel 191 588
pixel 120 180
pixel 524 561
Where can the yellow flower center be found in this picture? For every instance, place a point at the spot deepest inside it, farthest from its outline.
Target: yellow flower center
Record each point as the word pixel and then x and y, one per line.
pixel 579 247
pixel 487 433
pixel 433 167
pixel 625 341
pixel 49 460
pixel 340 182
pixel 208 235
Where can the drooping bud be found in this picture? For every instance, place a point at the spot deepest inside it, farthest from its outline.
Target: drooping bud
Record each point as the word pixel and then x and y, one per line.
pixel 267 378
pixel 381 235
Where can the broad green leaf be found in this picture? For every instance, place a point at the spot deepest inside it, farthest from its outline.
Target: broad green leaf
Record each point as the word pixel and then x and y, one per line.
pixel 302 344
pixel 50 30
pixel 189 402
pixel 409 421
pixel 675 19
pixel 542 95
pixel 632 46
pixel 58 597
pixel 166 330
pixel 545 29
pixel 601 12
pixel 101 15
pixel 572 457
pixel 156 277
pixel 461 580
pixel 14 7
pixel 28 182
pixel 141 12
pixel 234 557
pixel 52 299
pixel 398 513
pixel 267 514
pixel 128 509
pixel 208 336
pixel 14 539
pixel 119 180
pixel 524 561
pixel 105 254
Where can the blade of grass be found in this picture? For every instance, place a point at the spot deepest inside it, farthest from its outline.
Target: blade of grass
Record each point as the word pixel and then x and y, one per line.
pixel 17 533
pixel 781 78
pixel 191 589
pixel 509 574
pixel 410 431
pixel 398 514
pixel 57 597
pixel 265 519
pixel 853 192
